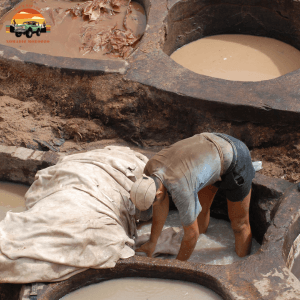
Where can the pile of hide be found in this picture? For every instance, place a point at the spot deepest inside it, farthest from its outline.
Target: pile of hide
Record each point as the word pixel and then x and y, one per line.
pixel 117 42
pixel 95 9
pixel 78 216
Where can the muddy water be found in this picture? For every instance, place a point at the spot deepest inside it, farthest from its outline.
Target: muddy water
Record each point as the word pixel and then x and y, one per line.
pixel 142 289
pixel 12 198
pixel 66 32
pixel 215 247
pixel 238 57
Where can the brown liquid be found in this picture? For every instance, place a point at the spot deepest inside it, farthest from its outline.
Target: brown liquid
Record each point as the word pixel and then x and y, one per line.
pixel 142 289
pixel 12 198
pixel 64 38
pixel 238 57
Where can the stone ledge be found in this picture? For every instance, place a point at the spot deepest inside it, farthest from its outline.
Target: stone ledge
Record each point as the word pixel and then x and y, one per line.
pixel 267 194
pixel 21 164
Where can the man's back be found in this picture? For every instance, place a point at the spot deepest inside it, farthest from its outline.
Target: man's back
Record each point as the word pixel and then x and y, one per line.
pixel 184 168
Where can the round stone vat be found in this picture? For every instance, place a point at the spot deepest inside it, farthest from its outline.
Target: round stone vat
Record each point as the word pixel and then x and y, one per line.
pixel 143 288
pixel 264 275
pixel 185 21
pixel 60 62
pixel 149 97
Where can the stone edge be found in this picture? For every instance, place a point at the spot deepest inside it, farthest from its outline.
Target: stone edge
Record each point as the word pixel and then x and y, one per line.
pixel 20 164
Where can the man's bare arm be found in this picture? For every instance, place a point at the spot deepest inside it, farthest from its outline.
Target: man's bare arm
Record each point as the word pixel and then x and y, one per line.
pixel 188 243
pixel 160 213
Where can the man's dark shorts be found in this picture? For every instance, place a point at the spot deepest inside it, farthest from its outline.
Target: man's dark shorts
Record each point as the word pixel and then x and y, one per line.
pixel 237 181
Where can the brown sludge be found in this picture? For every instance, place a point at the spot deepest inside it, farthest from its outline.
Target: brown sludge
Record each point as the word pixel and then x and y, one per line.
pixel 98 29
pixel 11 198
pixel 238 57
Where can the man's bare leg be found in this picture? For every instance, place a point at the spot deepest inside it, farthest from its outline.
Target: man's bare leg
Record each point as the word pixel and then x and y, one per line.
pixel 206 197
pixel 239 218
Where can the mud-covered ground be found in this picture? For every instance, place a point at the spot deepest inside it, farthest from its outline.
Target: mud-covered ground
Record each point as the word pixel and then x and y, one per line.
pixel 281 161
pixel 28 124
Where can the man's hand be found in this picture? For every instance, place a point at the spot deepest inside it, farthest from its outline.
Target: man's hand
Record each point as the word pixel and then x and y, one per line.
pixel 160 213
pixel 148 248
pixel 188 243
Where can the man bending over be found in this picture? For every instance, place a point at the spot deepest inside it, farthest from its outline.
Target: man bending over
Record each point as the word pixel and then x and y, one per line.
pixel 192 171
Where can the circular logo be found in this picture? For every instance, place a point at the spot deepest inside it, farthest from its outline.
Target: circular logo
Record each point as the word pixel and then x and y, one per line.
pixel 28 22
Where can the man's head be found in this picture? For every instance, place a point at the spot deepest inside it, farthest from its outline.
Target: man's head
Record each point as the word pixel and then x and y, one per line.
pixel 145 191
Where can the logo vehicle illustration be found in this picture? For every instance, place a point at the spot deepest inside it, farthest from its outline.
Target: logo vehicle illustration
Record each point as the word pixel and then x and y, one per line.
pixel 28 28
pixel 28 22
